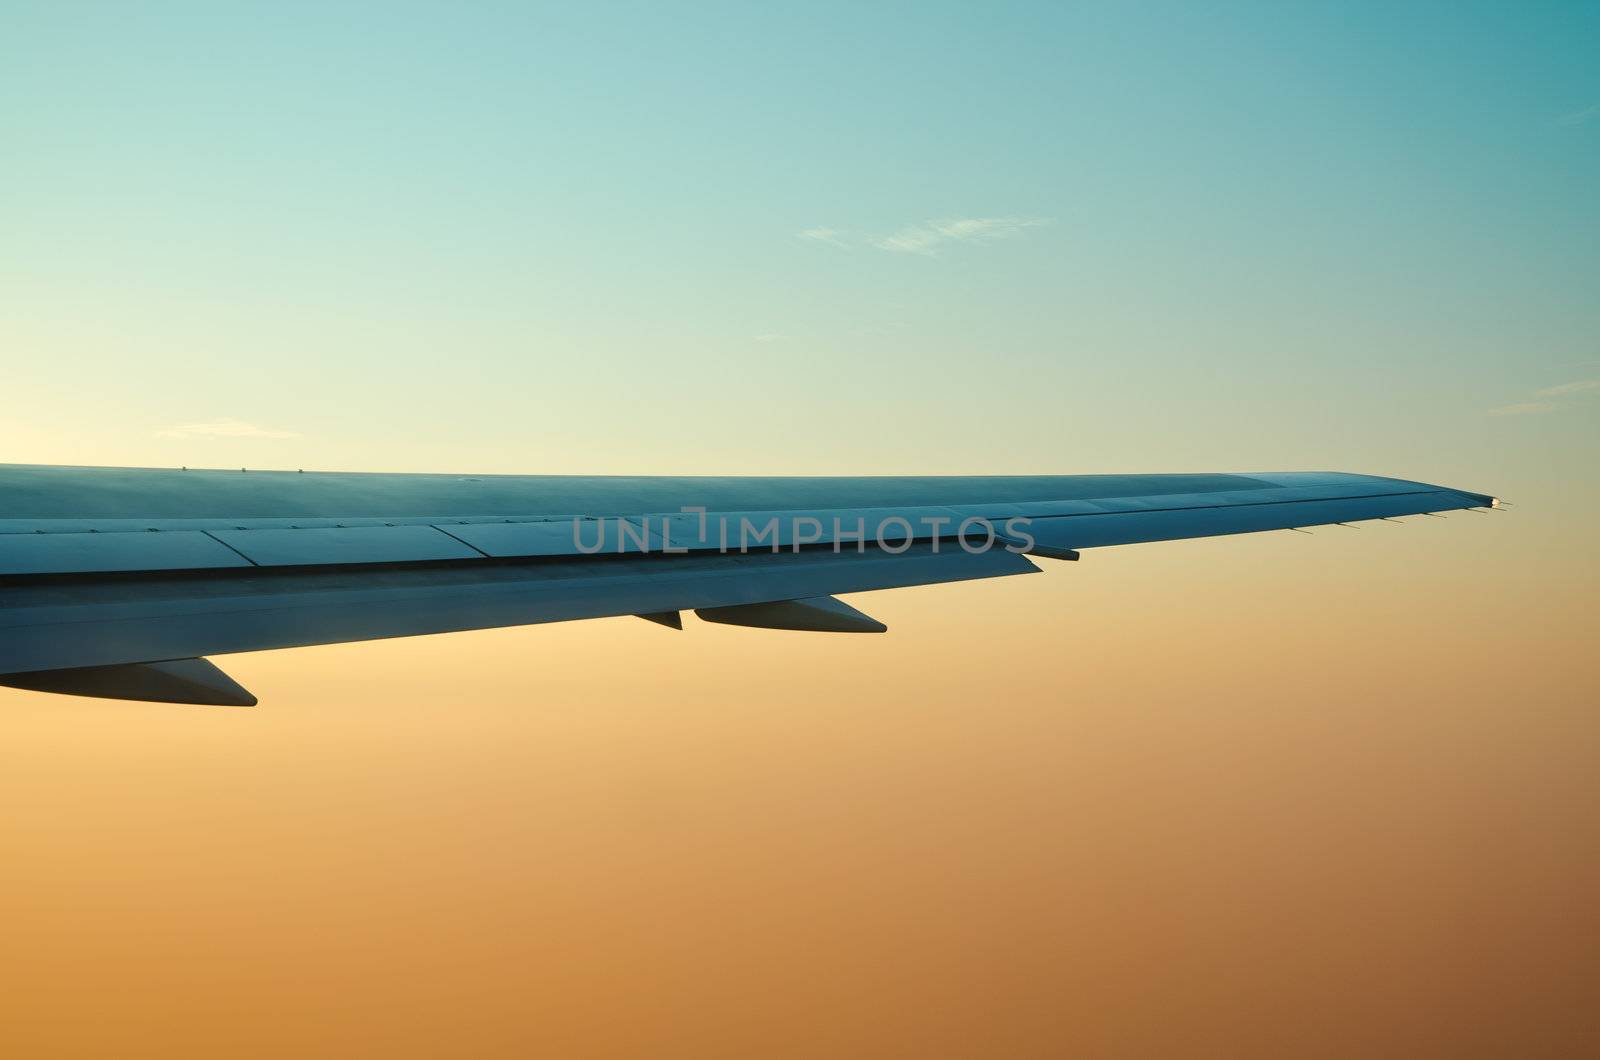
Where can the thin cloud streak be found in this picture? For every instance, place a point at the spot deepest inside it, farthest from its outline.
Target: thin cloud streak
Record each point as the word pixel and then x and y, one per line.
pixel 223 429
pixel 1579 117
pixel 1559 391
pixel 1581 386
pixel 831 236
pixel 928 237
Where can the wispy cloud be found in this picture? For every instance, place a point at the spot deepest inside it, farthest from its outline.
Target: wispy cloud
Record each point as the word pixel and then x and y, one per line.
pixel 1578 117
pixel 831 236
pixel 1582 386
pixel 223 429
pixel 929 236
pixel 1523 408
pixel 1550 399
pixel 926 238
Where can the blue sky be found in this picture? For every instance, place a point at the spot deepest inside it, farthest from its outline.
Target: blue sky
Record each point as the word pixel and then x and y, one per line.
pixel 613 238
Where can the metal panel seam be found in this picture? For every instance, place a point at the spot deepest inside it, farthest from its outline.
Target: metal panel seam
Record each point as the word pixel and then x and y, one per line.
pixel 453 537
pixel 230 548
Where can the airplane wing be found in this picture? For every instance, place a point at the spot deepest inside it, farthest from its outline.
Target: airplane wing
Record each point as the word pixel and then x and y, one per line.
pixel 118 582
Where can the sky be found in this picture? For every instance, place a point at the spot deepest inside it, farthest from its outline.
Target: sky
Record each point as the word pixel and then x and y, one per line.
pixel 1264 796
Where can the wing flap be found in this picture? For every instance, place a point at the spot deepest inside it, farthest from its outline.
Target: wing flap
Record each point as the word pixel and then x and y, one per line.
pixel 101 624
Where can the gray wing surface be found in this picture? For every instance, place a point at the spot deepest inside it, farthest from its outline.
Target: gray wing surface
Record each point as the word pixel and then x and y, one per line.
pixel 106 571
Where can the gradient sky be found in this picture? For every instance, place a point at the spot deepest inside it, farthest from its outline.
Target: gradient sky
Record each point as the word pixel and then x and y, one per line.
pixel 1267 796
